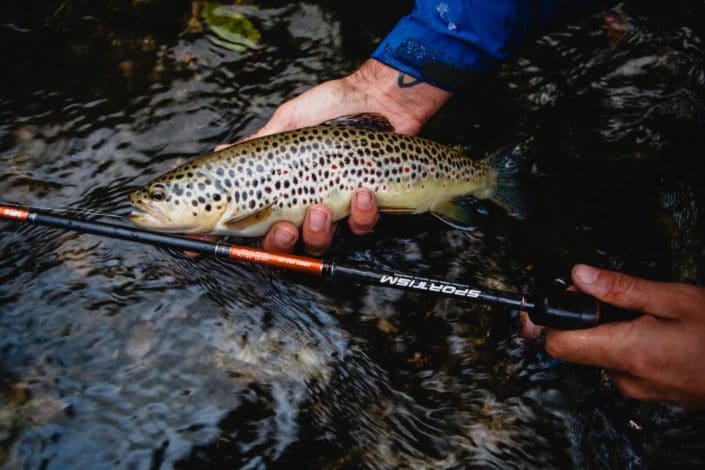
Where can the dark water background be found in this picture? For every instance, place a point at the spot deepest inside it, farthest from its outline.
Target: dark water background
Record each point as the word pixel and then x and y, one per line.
pixel 120 355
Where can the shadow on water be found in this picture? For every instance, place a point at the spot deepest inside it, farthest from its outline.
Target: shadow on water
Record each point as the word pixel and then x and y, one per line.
pixel 114 354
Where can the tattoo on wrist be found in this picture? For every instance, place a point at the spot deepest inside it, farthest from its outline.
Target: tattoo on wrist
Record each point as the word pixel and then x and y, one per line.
pixel 404 83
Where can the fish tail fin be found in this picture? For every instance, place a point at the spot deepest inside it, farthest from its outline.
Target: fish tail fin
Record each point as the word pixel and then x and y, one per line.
pixel 512 166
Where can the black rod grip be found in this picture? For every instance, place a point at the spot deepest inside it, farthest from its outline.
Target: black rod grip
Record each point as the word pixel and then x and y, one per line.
pixel 568 310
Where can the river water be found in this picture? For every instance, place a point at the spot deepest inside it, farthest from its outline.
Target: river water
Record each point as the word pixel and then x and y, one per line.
pixel 120 355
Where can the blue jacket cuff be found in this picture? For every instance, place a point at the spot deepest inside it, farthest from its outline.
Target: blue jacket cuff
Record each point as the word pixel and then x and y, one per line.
pixel 434 57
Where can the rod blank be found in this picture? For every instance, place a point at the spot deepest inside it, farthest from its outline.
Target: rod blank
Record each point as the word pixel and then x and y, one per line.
pixel 557 309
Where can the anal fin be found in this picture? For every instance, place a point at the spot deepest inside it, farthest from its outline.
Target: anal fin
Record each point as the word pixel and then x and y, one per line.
pixel 456 212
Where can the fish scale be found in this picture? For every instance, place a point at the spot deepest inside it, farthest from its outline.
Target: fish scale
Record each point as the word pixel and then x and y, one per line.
pixel 244 189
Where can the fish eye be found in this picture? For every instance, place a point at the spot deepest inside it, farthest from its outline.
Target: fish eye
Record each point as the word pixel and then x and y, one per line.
pixel 157 192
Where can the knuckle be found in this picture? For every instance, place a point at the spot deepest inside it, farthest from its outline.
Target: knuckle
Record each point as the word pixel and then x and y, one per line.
pixel 618 286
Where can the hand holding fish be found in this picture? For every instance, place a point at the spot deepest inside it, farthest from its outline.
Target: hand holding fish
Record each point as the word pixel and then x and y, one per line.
pixel 655 357
pixel 373 88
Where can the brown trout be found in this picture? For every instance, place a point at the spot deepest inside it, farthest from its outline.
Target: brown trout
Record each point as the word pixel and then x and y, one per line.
pixel 244 189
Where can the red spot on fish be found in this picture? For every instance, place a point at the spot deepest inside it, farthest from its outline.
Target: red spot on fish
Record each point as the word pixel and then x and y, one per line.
pixel 432 169
pixel 334 167
pixel 406 169
pixel 284 172
pixel 369 163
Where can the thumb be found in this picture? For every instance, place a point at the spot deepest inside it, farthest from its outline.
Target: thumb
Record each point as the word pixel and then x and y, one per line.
pixel 632 293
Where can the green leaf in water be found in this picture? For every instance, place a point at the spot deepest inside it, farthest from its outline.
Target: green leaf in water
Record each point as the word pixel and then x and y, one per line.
pixel 231 28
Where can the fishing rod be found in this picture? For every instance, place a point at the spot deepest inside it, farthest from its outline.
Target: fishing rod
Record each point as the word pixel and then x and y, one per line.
pixel 555 308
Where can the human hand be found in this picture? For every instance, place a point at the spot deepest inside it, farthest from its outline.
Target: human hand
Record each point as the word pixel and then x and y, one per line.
pixel 655 357
pixel 374 88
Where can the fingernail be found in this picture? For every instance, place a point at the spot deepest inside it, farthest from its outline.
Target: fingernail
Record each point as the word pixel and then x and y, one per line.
pixel 283 238
pixel 363 199
pixel 317 219
pixel 586 274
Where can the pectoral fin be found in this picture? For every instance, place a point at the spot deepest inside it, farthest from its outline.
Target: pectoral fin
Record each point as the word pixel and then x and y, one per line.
pixel 457 213
pixel 241 223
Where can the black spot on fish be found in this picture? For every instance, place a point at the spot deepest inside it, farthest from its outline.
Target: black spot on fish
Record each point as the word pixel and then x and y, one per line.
pixel 208 207
pixel 194 203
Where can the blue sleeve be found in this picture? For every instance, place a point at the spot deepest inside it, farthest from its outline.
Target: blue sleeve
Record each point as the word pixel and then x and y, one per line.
pixel 450 42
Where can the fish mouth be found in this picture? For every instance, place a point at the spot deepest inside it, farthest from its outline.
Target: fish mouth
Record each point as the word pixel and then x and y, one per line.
pixel 147 214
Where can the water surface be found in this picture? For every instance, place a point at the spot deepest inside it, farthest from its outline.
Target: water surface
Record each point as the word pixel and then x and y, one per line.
pixel 115 354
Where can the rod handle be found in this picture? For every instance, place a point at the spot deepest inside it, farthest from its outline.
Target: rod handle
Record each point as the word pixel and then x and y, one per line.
pixel 568 310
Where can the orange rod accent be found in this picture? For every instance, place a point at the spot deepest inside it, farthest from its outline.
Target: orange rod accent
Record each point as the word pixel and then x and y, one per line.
pixel 278 260
pixel 14 213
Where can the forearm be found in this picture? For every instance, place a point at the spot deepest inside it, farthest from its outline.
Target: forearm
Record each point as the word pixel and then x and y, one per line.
pixel 405 100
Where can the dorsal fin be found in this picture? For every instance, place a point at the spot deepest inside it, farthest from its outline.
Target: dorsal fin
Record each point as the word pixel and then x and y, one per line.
pixel 371 121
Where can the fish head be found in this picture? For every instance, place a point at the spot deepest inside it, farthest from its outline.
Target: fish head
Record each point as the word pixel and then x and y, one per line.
pixel 185 200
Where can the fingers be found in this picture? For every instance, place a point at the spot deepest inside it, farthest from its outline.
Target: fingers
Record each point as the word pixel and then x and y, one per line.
pixel 665 300
pixel 648 390
pixel 318 229
pixel 363 212
pixel 615 346
pixel 528 329
pixel 636 388
pixel 281 238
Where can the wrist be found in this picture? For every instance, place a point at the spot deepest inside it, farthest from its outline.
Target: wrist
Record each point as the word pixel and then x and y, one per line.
pixel 406 101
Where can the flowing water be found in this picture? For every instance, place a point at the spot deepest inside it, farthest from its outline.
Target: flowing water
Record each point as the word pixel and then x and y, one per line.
pixel 121 355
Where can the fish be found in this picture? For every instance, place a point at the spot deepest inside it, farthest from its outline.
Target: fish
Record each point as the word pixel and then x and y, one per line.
pixel 246 188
